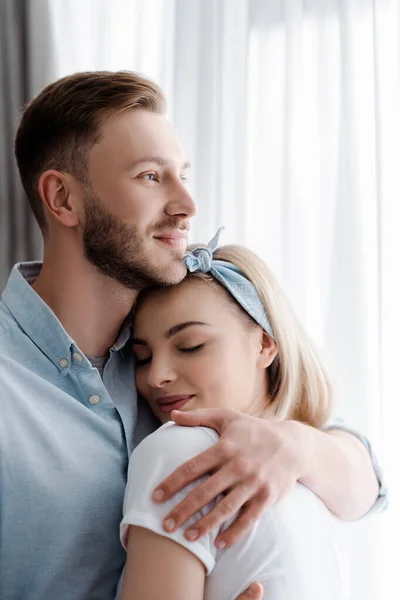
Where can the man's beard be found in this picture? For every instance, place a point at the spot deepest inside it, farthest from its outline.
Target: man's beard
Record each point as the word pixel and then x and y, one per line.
pixel 116 249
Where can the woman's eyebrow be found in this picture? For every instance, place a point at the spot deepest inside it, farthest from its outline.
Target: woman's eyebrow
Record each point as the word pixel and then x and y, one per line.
pixel 173 331
pixel 181 326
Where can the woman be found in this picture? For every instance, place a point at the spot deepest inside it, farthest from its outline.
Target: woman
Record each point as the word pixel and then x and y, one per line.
pixel 226 337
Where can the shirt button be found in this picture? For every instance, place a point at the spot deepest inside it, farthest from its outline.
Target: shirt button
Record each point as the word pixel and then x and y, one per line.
pixel 77 356
pixel 94 399
pixel 64 363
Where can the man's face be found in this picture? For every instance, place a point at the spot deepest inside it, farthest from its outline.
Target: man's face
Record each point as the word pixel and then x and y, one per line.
pixel 137 206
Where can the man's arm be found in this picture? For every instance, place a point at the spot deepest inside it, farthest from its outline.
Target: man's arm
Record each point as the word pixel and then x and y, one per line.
pixel 340 472
pixel 256 463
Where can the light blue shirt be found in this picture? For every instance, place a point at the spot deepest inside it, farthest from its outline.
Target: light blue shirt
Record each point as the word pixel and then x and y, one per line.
pixel 65 440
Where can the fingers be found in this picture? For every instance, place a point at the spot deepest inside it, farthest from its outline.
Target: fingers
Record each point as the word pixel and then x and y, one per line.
pixel 216 418
pixel 189 471
pixel 254 592
pixel 251 512
pixel 228 506
pixel 198 498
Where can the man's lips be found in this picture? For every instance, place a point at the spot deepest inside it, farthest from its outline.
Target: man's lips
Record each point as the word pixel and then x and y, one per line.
pixel 167 404
pixel 176 239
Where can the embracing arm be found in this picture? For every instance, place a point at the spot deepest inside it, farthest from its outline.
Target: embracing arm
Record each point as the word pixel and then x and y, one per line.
pixel 340 471
pixel 257 462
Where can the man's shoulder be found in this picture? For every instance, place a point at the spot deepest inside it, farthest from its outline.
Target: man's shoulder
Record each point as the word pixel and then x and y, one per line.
pixel 16 352
pixel 7 321
pixel 11 335
pixel 10 331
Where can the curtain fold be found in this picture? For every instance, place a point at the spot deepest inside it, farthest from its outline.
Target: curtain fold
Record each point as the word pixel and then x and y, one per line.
pixel 19 236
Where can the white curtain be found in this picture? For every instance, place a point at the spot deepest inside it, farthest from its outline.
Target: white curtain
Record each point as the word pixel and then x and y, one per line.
pixel 289 110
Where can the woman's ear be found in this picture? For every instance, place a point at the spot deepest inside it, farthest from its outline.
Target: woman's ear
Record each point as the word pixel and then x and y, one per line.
pixel 268 351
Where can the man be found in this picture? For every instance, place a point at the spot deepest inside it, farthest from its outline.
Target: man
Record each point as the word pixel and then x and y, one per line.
pixel 105 175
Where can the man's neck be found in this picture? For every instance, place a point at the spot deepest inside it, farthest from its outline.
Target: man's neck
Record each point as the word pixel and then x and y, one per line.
pixel 90 306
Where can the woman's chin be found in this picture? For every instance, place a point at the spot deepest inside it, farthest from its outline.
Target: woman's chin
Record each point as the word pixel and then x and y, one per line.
pixel 164 418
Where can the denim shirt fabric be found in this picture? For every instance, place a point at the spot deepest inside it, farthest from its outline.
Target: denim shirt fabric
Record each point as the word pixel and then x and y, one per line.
pixel 66 436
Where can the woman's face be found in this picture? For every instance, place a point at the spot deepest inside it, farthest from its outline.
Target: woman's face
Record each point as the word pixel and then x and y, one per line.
pixel 195 350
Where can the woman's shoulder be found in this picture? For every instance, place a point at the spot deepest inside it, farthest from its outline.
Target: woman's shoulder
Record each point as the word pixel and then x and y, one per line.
pixel 173 444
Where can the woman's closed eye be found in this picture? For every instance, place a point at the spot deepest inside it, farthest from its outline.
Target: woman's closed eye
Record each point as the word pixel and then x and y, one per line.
pixel 142 354
pixel 142 359
pixel 140 362
pixel 191 348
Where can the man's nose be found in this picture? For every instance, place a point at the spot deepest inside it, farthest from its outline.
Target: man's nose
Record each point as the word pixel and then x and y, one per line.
pixel 181 203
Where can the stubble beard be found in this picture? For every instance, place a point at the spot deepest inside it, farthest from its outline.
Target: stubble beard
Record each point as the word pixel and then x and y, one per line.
pixel 117 250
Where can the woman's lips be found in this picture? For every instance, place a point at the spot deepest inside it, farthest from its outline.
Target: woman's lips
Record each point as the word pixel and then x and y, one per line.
pixel 167 404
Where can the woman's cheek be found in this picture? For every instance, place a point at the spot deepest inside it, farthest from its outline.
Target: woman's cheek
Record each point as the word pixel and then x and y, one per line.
pixel 141 383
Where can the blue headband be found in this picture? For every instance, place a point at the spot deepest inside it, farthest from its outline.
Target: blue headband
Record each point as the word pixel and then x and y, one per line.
pixel 231 278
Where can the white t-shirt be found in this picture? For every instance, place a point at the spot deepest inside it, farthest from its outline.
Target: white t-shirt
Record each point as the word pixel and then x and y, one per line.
pixel 295 549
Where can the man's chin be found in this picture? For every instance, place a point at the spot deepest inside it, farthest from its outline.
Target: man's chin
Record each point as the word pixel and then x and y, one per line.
pixel 172 273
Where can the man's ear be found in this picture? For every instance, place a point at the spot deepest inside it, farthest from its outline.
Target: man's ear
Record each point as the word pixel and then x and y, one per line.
pixel 268 351
pixel 58 192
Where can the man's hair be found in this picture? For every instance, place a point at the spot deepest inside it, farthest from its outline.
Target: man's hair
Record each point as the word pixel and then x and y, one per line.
pixel 60 126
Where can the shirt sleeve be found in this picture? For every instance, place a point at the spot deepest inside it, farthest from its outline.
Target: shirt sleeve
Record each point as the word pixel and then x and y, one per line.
pixel 154 459
pixel 381 502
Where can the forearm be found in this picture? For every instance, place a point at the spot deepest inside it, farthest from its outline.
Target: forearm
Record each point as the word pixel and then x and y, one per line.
pixel 338 470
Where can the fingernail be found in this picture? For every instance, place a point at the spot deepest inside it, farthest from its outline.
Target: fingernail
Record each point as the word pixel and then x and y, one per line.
pixel 220 544
pixel 253 589
pixel 192 534
pixel 158 495
pixel 169 524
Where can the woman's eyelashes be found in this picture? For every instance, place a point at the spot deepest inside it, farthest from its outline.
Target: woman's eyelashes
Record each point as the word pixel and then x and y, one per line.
pixel 140 362
pixel 145 360
pixel 192 348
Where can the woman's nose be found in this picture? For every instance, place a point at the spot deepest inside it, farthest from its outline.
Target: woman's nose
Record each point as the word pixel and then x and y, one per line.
pixel 160 374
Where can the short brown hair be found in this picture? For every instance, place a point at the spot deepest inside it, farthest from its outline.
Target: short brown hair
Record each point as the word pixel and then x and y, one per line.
pixel 62 123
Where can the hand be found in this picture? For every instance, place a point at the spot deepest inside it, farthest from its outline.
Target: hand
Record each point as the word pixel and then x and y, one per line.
pixel 254 592
pixel 255 464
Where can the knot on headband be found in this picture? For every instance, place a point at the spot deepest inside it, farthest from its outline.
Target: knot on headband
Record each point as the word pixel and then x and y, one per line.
pixel 199 260
pixel 232 279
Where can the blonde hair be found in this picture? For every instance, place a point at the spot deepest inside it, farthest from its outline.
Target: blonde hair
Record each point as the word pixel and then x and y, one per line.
pixel 298 384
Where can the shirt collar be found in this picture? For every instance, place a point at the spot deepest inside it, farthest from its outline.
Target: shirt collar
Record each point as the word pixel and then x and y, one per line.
pixel 39 322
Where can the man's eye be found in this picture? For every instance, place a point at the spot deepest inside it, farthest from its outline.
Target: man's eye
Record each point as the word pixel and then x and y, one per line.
pixel 192 348
pixel 184 179
pixel 149 176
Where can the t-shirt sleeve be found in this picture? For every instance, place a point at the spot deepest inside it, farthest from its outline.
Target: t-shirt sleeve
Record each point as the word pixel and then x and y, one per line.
pixel 382 500
pixel 154 459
